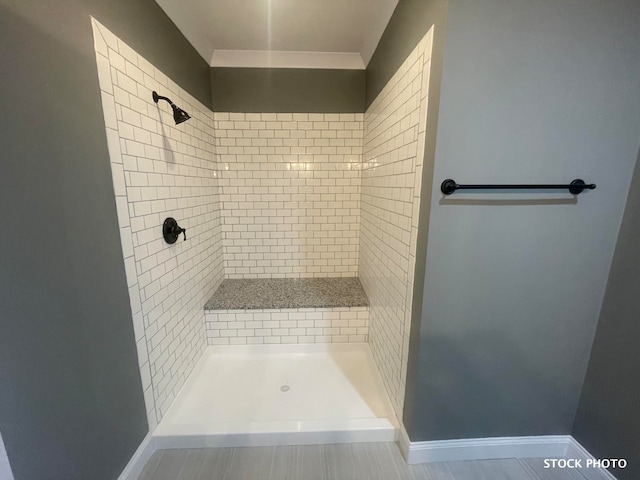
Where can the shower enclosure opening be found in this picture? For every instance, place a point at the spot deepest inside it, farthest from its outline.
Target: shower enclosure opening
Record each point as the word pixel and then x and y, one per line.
pixel 283 317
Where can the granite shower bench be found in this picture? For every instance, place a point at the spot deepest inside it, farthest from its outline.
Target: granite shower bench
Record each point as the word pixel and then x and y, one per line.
pixel 287 310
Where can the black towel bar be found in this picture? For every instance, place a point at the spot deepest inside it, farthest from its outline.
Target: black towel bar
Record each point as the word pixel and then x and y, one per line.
pixel 577 186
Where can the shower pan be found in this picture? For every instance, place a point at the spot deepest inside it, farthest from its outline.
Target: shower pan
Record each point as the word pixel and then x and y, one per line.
pixel 280 395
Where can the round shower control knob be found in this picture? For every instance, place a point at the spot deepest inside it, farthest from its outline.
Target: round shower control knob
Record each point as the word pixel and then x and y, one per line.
pixel 171 230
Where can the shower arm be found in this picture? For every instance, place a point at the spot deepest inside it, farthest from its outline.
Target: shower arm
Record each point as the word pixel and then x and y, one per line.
pixel 157 97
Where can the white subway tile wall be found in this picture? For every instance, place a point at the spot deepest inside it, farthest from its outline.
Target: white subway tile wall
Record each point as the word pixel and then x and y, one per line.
pixel 295 325
pixel 262 195
pixel 290 193
pixel 391 180
pixel 161 170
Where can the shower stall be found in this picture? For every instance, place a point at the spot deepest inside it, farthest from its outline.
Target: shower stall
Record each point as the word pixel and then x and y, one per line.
pixel 280 311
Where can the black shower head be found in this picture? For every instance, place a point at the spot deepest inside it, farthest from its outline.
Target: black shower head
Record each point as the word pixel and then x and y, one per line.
pixel 179 115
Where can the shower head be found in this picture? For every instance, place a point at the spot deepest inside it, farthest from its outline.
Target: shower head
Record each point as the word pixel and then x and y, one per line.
pixel 179 115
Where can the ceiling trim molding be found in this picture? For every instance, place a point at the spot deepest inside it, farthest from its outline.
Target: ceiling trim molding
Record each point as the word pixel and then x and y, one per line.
pixel 280 59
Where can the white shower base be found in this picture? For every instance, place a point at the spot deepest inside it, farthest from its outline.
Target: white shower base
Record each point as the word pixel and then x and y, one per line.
pixel 238 396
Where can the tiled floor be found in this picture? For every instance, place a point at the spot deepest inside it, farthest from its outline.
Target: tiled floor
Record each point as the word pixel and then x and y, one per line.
pixel 366 461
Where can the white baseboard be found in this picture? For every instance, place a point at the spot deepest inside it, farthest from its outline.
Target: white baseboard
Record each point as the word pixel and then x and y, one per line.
pixel 545 446
pixel 404 443
pixel 139 459
pixel 131 472
pixel 575 450
pixel 5 467
pixel 482 448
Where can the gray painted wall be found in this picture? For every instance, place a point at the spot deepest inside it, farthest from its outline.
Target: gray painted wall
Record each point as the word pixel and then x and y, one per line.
pixel 608 419
pixel 541 91
pixel 411 20
pixel 71 405
pixel 287 90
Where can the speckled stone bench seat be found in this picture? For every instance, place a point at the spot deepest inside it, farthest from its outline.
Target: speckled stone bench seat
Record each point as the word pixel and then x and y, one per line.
pixel 269 293
pixel 288 310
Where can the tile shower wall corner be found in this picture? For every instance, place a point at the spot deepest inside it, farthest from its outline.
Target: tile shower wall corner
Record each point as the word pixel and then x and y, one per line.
pixel 393 152
pixel 161 170
pixel 290 193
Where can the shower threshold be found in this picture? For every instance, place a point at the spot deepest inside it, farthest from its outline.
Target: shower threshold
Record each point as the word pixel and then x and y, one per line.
pixel 263 395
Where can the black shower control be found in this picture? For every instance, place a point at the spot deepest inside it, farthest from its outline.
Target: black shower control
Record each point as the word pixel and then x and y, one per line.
pixel 171 230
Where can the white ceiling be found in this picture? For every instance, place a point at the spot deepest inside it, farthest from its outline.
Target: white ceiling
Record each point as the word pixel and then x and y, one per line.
pixel 282 33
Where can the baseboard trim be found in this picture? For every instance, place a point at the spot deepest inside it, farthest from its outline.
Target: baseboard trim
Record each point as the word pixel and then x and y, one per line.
pixel 139 459
pixel 483 448
pixel 404 443
pixel 544 446
pixel 5 467
pixel 577 451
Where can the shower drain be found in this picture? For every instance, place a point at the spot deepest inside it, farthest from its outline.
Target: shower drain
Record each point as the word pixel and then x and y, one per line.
pixel 284 388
